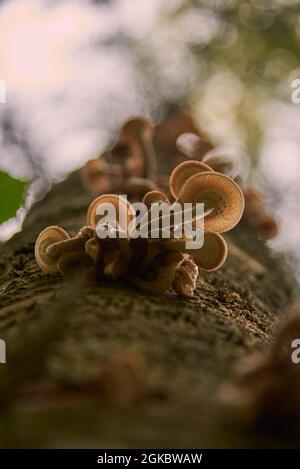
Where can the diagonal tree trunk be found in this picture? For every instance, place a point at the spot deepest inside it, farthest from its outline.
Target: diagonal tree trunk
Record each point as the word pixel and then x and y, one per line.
pixel 106 365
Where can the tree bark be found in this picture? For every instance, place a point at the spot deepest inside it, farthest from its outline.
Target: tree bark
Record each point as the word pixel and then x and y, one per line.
pixel 161 359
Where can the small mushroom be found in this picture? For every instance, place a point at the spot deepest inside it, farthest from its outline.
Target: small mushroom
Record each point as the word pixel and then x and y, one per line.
pixel 140 130
pixel 218 193
pixel 94 249
pixel 149 199
pixel 161 277
pixel 211 256
pixel 155 197
pixel 101 176
pixel 119 203
pixel 213 253
pixel 191 145
pixel 86 232
pixel 221 163
pixel 48 237
pixel 66 245
pixel 69 260
pixel 183 172
pixel 256 215
pixel 115 265
pixel 141 186
pixel 185 278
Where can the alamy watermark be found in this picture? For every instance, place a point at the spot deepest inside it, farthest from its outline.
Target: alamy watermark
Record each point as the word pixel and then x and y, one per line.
pixel 2 92
pixel 2 351
pixel 295 96
pixel 295 357
pixel 161 220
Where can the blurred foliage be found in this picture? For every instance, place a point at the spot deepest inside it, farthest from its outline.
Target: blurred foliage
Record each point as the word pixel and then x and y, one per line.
pixel 228 61
pixel 11 196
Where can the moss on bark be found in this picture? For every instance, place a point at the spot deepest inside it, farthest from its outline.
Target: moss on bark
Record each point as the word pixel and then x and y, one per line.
pixel 63 332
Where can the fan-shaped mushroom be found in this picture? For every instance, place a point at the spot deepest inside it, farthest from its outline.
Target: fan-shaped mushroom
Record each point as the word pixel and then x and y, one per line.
pixel 213 253
pixel 220 163
pixel 48 237
pixel 123 209
pixel 101 176
pixel 256 215
pixel 155 197
pixel 183 172
pixel 140 130
pixel 191 145
pixel 211 256
pixel 141 186
pixel 219 193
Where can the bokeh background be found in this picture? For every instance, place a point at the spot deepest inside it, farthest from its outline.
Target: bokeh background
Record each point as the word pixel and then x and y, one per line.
pixel 75 70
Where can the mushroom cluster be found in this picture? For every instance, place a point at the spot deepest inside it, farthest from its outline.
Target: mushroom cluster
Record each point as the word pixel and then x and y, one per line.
pixel 129 165
pixel 192 146
pixel 152 264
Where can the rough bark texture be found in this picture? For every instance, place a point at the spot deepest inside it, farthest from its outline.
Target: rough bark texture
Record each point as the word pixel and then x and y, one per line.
pixel 60 333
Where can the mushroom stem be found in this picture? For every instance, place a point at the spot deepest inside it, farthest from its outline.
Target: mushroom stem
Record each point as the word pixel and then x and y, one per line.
pixel 164 274
pixel 68 260
pixel 93 249
pixel 57 249
pixel 150 157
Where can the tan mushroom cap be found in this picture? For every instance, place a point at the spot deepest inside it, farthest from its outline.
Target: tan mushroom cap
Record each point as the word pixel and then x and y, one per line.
pixel 211 256
pixel 98 174
pixel 221 164
pixel 46 238
pixel 191 145
pixel 117 201
pixel 137 127
pixel 213 253
pixel 267 227
pixel 256 215
pixel 183 172
pixel 217 192
pixel 154 197
pixel 136 185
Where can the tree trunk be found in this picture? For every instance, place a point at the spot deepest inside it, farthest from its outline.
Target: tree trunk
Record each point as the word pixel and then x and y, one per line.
pixel 104 365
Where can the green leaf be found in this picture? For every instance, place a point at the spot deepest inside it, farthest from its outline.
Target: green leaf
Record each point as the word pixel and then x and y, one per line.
pixel 12 193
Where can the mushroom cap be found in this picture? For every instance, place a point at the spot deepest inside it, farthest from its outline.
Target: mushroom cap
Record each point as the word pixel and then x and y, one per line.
pixel 48 236
pixel 95 175
pixel 266 226
pixel 213 253
pixel 119 150
pixel 154 197
pixel 183 172
pixel 211 256
pixel 136 185
pixel 252 197
pixel 191 145
pixel 137 127
pixel 117 201
pixel 217 192
pixel 185 280
pixel 221 164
